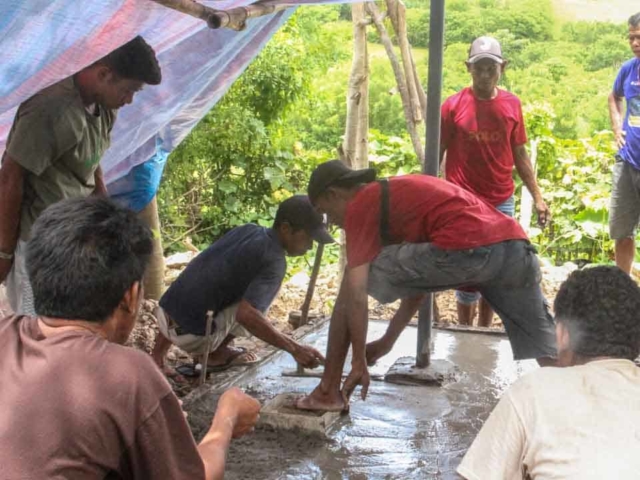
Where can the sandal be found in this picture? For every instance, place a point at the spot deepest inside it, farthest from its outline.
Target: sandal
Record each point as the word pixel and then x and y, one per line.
pixel 233 361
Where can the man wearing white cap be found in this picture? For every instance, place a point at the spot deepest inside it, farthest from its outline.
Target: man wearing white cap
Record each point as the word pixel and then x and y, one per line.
pixel 484 137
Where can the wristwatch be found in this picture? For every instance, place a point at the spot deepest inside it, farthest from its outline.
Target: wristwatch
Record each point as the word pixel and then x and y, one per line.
pixel 6 256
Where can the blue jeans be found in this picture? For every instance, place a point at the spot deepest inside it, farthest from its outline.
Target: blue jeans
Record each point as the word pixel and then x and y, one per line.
pixel 508 207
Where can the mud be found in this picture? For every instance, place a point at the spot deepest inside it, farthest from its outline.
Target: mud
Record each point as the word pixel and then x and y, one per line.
pixel 400 432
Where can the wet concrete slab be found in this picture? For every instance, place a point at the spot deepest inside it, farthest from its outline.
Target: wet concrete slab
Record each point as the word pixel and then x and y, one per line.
pixel 399 432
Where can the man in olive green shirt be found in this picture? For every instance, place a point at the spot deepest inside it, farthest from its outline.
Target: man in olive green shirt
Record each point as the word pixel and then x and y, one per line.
pixel 54 149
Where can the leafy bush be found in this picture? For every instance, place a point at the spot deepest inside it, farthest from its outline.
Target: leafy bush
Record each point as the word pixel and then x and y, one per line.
pixel 287 112
pixel 610 51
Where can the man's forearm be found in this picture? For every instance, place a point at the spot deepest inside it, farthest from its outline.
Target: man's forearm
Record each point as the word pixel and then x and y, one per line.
pixel 358 310
pixel 11 191
pixel 213 447
pixel 259 326
pixel 525 171
pixel 615 113
pixel 407 309
pixel 100 187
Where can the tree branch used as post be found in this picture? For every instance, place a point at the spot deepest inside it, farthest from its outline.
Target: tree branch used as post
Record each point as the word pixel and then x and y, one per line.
pixel 234 18
pixel 304 310
pixel 354 146
pixel 397 13
pixel 400 80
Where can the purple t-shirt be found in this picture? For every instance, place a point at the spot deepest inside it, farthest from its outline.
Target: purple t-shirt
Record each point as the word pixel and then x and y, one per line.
pixel 627 85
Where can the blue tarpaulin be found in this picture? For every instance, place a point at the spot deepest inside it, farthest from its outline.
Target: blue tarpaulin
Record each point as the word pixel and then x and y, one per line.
pixel 44 41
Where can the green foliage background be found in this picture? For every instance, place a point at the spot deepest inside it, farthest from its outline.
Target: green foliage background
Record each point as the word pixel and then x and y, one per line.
pixel 286 114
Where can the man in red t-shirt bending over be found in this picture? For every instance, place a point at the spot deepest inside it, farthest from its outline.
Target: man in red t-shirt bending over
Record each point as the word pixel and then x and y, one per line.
pixel 437 236
pixel 484 137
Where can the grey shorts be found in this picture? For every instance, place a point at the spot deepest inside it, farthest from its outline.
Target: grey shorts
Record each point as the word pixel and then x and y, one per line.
pixel 507 275
pixel 624 209
pixel 508 207
pixel 224 323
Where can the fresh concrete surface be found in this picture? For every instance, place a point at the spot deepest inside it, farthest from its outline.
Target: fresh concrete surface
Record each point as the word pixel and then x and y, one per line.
pixel 399 432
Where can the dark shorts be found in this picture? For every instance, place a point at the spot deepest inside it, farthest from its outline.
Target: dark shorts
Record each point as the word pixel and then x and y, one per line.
pixel 507 275
pixel 624 209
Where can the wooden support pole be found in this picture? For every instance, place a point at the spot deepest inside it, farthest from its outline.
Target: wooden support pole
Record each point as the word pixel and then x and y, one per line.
pixel 304 311
pixel 234 18
pixel 397 14
pixel 400 80
pixel 190 7
pixel 207 351
pixel 353 151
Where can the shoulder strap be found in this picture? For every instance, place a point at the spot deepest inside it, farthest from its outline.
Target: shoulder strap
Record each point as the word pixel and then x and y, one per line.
pixel 385 234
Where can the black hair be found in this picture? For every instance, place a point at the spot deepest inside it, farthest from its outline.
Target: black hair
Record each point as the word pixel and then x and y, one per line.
pixel 599 306
pixel 134 60
pixel 634 20
pixel 83 255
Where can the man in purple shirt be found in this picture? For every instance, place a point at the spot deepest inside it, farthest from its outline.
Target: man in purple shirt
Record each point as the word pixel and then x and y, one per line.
pixel 625 192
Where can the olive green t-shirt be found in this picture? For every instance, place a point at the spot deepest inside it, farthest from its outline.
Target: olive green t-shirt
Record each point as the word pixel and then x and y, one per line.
pixel 59 143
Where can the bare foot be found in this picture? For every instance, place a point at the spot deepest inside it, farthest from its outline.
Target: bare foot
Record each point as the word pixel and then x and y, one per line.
pixel 318 401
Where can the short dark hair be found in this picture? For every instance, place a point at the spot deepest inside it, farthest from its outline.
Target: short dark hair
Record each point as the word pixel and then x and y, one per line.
pixel 135 60
pixel 599 306
pixel 83 255
pixel 634 20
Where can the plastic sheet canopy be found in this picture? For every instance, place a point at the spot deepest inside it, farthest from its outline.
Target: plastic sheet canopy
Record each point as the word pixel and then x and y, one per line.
pixel 44 41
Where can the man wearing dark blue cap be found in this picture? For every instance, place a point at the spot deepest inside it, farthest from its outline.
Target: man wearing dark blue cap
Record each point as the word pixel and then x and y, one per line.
pixel 235 280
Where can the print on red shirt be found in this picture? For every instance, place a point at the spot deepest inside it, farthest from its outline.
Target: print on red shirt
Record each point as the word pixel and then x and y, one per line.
pixel 480 136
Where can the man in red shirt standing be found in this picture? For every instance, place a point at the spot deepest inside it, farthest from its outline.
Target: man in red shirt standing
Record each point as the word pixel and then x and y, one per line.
pixel 483 135
pixel 410 235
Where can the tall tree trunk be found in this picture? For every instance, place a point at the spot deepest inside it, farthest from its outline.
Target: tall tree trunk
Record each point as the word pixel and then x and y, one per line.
pixel 400 80
pixel 397 13
pixel 354 146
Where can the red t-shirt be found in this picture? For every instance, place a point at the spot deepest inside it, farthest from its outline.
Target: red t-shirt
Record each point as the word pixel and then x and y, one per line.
pixel 423 209
pixel 480 136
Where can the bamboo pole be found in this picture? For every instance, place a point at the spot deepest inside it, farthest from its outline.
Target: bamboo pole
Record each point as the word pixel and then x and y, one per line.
pixel 357 120
pixel 234 18
pixel 304 310
pixel 362 143
pixel 400 80
pixel 397 14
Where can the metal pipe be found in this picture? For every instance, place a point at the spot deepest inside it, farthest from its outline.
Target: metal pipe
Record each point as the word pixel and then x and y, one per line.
pixel 432 156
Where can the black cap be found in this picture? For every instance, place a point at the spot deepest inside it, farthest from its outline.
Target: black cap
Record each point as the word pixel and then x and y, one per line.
pixel 298 212
pixel 336 173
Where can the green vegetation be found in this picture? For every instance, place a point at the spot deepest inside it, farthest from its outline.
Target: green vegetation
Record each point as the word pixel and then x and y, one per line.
pixel 286 114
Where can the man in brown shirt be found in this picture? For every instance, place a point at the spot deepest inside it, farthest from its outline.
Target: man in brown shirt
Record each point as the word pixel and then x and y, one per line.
pixel 76 403
pixel 54 149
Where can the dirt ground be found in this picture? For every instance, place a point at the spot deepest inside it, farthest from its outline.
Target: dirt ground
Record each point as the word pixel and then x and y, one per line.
pixel 290 299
